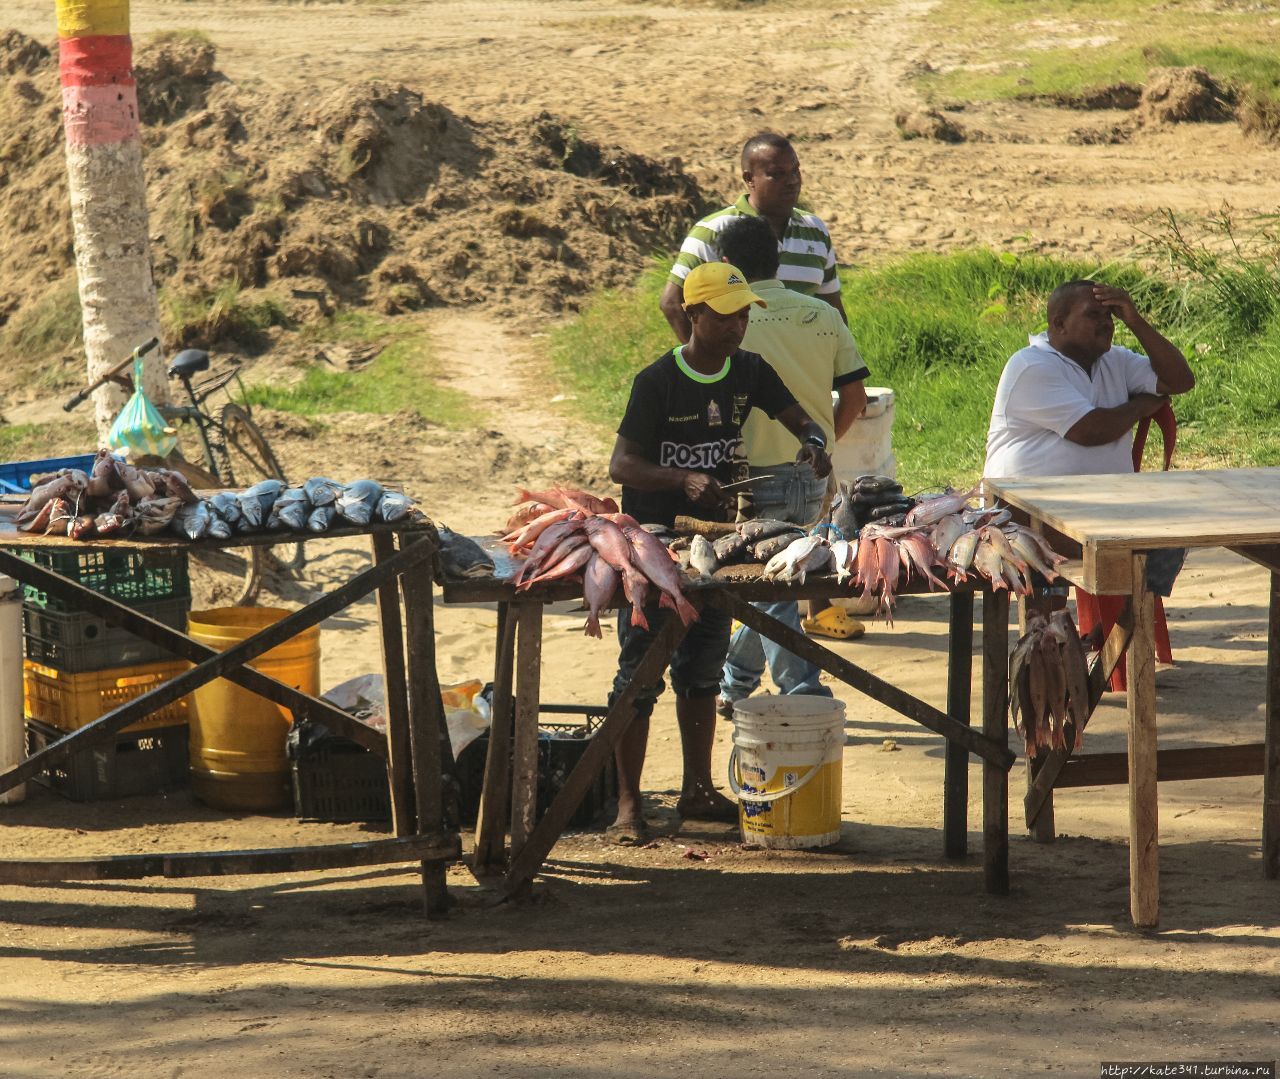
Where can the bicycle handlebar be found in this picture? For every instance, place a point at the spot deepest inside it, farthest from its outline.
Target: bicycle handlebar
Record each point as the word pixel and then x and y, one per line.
pixel 88 390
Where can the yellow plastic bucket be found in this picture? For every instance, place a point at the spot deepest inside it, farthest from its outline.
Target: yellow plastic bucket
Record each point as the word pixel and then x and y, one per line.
pixel 785 768
pixel 238 738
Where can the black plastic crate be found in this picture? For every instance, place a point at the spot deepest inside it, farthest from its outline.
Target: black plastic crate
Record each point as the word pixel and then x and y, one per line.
pixel 335 780
pixel 78 642
pixel 147 762
pixel 130 576
pixel 340 781
pixel 561 744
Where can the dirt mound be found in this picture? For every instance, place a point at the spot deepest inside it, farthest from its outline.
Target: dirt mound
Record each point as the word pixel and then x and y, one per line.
pixel 1180 95
pixel 928 124
pixel 371 195
pixel 1119 95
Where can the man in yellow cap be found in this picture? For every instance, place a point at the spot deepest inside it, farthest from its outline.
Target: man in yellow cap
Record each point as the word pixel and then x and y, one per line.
pixel 679 440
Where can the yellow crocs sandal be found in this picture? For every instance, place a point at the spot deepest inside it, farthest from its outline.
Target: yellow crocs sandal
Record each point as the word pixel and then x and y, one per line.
pixel 834 622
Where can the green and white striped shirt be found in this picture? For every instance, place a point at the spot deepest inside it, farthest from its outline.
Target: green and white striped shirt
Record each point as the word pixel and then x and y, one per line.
pixel 807 259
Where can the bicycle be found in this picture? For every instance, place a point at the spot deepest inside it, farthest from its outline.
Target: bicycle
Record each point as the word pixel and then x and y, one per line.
pixel 236 452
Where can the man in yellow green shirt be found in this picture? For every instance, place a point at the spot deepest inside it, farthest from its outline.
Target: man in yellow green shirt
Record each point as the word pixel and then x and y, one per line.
pixel 806 341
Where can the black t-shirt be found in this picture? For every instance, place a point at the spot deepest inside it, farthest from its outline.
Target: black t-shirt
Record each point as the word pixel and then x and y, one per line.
pixel 682 419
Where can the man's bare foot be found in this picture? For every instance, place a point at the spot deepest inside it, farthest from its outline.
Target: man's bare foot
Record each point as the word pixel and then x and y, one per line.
pixel 705 804
pixel 628 832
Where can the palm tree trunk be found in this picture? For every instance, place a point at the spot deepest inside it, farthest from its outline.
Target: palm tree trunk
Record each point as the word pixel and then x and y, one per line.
pixel 108 195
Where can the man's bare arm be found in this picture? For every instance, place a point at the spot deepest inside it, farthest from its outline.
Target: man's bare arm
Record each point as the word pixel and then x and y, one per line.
pixel 852 404
pixel 836 301
pixel 1104 425
pixel 1173 373
pixel 670 302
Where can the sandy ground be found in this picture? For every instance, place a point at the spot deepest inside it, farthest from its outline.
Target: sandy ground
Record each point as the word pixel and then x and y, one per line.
pixel 878 957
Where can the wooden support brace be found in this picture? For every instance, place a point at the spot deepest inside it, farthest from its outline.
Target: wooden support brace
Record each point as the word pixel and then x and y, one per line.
pixel 528 859
pixel 524 757
pixel 1271 780
pixel 995 725
pixel 1114 648
pixel 864 681
pixel 1144 824
pixel 218 665
pixel 1172 765
pixel 427 726
pixel 395 695
pixel 955 778
pixel 495 796
pixel 117 614
pixel 231 862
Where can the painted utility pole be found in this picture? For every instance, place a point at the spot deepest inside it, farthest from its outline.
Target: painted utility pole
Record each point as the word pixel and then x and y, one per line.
pixel 108 195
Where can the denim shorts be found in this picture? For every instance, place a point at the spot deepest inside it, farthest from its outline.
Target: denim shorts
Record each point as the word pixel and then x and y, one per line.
pixel 695 667
pixel 793 493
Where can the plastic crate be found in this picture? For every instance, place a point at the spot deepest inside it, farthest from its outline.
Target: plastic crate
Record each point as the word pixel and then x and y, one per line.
pixel 339 782
pixel 67 702
pixel 147 762
pixel 15 476
pixel 81 642
pixel 131 576
pixel 561 744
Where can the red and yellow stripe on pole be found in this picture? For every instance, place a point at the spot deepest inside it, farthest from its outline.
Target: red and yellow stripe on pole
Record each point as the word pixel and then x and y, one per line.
pixel 108 195
pixel 99 96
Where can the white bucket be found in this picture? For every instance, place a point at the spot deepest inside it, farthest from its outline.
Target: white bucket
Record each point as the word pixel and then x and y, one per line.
pixel 785 768
pixel 13 741
pixel 867 447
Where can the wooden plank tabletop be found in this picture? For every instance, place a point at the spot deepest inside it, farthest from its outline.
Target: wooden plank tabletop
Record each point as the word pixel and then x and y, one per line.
pixel 1113 516
pixel 1142 510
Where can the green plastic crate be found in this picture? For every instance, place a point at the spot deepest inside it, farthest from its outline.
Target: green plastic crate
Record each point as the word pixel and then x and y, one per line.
pixel 129 575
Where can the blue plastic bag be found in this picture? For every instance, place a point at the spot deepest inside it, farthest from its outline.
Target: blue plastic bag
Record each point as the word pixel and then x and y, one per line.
pixel 140 429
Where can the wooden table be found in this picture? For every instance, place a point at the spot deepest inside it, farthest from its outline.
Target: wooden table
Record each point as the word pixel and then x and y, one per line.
pixel 415 745
pixel 510 782
pixel 1117 520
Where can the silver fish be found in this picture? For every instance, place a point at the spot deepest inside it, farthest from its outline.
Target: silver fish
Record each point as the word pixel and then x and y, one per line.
pixel 763 528
pixel 934 509
pixel 219 528
pixel 960 557
pixel 945 532
pixel 393 505
pixel 290 511
pixel 227 506
pixel 358 501
pixel 256 503
pixel 322 517
pixel 702 557
pixel 797 559
pixel 321 491
pixel 765 549
pixel 193 521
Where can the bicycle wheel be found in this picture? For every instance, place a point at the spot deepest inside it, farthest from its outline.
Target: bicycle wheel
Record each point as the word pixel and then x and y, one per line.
pixel 246 459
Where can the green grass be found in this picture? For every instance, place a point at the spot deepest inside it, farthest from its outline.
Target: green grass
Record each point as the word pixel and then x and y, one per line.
pixel 53 324
pixel 938 329
pixel 400 378
pixel 199 317
pixel 35 441
pixel 1010 52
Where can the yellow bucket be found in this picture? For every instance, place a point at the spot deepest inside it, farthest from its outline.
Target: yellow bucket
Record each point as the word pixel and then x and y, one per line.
pixel 238 738
pixel 786 769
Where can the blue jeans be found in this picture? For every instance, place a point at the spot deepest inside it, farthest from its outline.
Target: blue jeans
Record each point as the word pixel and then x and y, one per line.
pixel 794 494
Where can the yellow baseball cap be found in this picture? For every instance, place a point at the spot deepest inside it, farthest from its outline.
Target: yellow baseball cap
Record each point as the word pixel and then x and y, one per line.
pixel 720 286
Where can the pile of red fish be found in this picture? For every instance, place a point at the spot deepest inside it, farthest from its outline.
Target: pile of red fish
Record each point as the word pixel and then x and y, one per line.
pixel 578 536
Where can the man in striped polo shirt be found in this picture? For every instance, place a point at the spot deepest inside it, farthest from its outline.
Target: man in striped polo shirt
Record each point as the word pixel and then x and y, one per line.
pixel 771 171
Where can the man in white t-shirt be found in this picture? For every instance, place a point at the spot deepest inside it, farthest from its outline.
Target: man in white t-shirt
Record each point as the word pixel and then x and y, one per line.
pixel 1068 402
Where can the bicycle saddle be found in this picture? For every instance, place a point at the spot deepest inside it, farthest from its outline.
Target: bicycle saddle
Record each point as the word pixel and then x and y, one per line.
pixel 187 362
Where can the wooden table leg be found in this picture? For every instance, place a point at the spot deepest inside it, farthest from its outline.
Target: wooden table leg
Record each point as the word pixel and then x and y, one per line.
pixel 396 694
pixel 955 777
pixel 524 760
pixel 495 795
pixel 1144 830
pixel 426 724
pixel 526 860
pixel 1271 767
pixel 995 725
